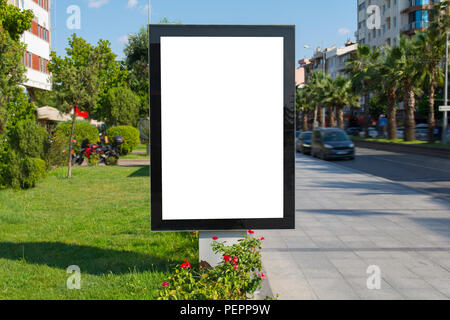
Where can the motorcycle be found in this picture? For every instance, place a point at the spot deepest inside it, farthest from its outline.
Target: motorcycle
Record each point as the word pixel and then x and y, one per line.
pixel 108 153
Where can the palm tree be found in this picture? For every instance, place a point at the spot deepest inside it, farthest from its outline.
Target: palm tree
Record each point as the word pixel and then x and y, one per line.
pixel 304 106
pixel 340 94
pixel 431 45
pixel 315 90
pixel 389 82
pixel 361 70
pixel 409 73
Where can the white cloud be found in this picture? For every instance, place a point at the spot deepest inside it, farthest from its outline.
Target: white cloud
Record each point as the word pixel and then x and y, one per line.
pixel 132 4
pixel 123 39
pixel 97 3
pixel 343 31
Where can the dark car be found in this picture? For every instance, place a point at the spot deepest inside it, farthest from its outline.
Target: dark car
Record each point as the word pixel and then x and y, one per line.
pixel 332 144
pixel 304 142
pixel 353 131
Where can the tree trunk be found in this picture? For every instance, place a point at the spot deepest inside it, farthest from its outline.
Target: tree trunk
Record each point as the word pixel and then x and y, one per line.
pixel 304 121
pixel 322 117
pixel 69 173
pixel 340 116
pixel 316 109
pixel 392 114
pixel 366 114
pixel 431 117
pixel 331 117
pixel 410 104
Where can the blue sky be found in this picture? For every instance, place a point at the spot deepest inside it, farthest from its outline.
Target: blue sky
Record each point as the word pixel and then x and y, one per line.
pixel 319 23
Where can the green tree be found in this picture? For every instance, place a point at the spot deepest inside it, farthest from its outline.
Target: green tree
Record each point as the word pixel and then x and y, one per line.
pixel 13 23
pixel 303 106
pixel 340 94
pixel 76 81
pixel 123 107
pixel 316 93
pixel 136 62
pixel 409 73
pixel 431 45
pixel 14 20
pixel 361 70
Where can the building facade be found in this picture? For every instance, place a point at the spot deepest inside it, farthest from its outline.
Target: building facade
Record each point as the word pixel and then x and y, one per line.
pixel 38 41
pixel 396 17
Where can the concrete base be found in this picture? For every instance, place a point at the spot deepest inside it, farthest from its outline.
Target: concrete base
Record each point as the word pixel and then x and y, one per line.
pixel 205 252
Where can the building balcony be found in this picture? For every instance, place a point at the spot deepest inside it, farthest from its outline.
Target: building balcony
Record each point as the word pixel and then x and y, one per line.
pixel 412 27
pixel 415 5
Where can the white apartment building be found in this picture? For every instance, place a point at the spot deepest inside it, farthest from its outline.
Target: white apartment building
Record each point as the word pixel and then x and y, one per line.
pixel 38 41
pixel 334 57
pixel 397 17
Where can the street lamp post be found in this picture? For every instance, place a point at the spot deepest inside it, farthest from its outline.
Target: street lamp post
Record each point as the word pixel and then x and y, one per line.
pixel 445 123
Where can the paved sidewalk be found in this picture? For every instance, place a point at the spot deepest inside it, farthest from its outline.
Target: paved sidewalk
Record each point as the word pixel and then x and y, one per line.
pixel 347 221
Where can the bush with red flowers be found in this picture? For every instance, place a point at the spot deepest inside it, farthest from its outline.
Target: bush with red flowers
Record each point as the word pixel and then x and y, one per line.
pixel 237 277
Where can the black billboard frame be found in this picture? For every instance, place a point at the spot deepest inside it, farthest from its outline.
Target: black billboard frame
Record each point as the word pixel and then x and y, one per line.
pixel 287 32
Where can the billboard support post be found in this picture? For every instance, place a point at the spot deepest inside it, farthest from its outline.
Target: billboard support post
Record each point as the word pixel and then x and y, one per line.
pixel 206 255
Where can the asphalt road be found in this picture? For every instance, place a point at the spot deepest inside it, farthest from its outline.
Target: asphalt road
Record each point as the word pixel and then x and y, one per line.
pixel 427 174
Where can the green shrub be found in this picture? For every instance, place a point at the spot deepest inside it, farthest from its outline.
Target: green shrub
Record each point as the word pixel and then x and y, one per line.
pixel 93 159
pixel 237 277
pixel 83 130
pixel 10 170
pixel 56 154
pixel 122 107
pixel 28 139
pixel 130 134
pixel 33 170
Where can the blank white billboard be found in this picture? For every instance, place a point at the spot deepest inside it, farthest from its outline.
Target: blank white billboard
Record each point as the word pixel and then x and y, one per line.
pixel 222 138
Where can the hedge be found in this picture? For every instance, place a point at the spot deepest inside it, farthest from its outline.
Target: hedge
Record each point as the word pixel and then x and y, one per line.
pixel 33 170
pixel 82 131
pixel 130 134
pixel 28 139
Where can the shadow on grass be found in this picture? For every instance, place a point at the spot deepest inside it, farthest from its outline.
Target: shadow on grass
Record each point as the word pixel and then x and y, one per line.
pixel 91 260
pixel 142 172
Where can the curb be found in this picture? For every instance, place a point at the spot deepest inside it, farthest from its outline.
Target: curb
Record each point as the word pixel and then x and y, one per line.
pixel 439 152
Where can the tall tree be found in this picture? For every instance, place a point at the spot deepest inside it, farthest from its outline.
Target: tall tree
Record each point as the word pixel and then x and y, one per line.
pixel 340 95
pixel 409 72
pixel 431 45
pixel 303 106
pixel 361 70
pixel 76 82
pixel 13 23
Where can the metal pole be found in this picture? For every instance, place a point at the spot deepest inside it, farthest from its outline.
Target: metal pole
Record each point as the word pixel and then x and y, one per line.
pixel 445 124
pixel 324 77
pixel 148 66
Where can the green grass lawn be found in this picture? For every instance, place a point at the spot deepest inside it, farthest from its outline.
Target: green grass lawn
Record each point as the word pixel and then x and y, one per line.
pixel 100 221
pixel 139 153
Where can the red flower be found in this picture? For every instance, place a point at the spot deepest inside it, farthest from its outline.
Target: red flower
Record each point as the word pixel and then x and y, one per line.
pixel 262 276
pixel 262 239
pixel 235 260
pixel 251 231
pixel 236 267
pixel 226 258
pixel 215 238
pixel 252 248
pixel 165 284
pixel 185 265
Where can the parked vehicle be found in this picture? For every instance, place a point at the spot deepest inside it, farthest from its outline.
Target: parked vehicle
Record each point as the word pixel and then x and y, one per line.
pixel 332 143
pixel 107 152
pixel 373 133
pixel 353 131
pixel 400 133
pixel 421 134
pixel 304 143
